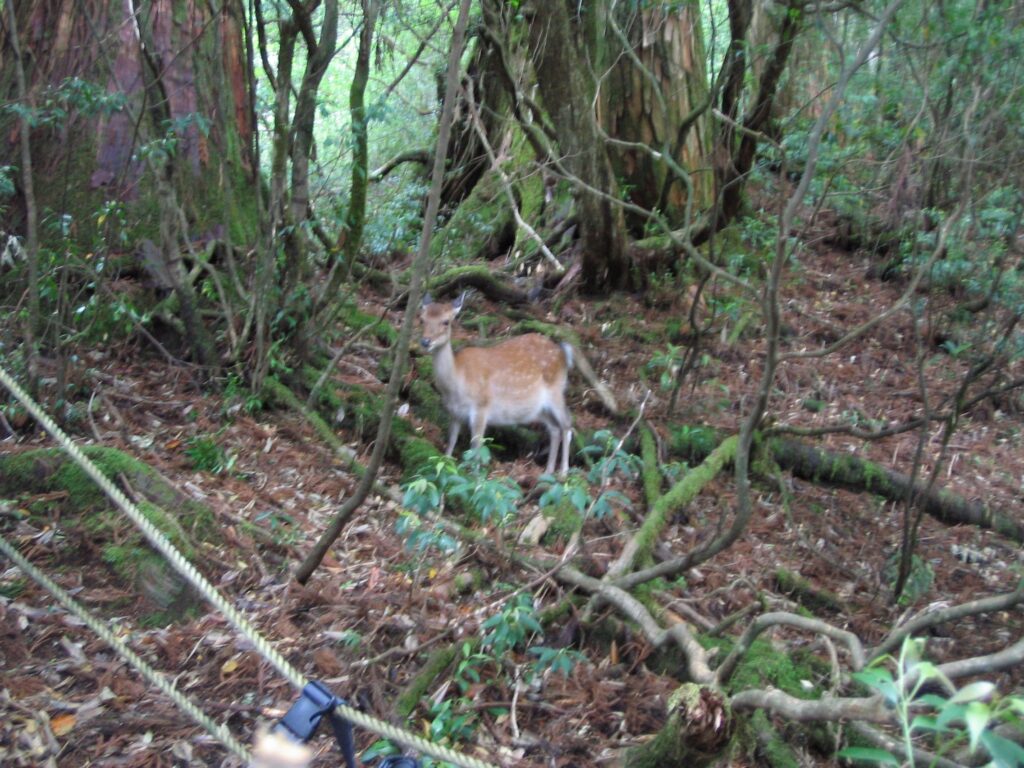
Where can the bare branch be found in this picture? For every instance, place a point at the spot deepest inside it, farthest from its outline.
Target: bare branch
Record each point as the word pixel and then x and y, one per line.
pixel 696 658
pixel 779 618
pixel 953 613
pixel 871 709
pixel 1013 656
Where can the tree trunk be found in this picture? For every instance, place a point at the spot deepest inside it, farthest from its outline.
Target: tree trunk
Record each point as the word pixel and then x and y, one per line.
pixel 319 56
pixel 562 44
pixel 82 55
pixel 351 237
pixel 735 150
pixel 33 321
pixel 658 96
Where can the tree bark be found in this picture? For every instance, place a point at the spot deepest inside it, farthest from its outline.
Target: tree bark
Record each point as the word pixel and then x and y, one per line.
pixel 33 322
pixel 319 56
pixel 351 237
pixel 87 53
pixel 658 96
pixel 562 44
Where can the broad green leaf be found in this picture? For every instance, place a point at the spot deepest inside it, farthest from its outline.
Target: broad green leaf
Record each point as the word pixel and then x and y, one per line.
pixel 979 690
pixel 869 754
pixel 927 723
pixel 1004 753
pixel 976 717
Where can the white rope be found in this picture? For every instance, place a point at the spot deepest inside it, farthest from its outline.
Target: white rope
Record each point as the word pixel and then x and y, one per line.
pixel 110 635
pixel 182 565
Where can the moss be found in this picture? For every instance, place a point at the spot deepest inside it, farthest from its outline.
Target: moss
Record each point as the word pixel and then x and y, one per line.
pixel 799 589
pixel 565 520
pixel 50 470
pixel 86 514
pixel 415 691
pixel 651 468
pixel 465 583
pixel 415 453
pixel 760 734
pixel 482 226
pixel 555 332
pixel 764 666
pixel 356 319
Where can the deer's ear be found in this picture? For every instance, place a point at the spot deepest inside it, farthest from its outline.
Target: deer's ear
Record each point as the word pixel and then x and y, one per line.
pixel 457 304
pixel 426 301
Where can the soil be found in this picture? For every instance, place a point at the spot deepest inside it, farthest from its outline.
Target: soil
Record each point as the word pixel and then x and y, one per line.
pixel 374 611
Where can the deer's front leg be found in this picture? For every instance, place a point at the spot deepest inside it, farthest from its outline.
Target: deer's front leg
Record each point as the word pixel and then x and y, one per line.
pixel 453 435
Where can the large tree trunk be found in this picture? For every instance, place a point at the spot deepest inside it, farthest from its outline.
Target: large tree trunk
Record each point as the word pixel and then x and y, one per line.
pixel 735 149
pixel 566 51
pixel 80 55
pixel 658 96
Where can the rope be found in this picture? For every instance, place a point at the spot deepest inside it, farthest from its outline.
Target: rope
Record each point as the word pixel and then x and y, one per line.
pixel 109 634
pixel 188 571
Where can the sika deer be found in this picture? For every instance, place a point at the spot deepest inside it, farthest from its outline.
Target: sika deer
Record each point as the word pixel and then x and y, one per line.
pixel 519 381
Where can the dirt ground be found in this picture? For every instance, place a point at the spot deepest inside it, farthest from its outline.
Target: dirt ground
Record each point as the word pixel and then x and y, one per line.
pixel 361 623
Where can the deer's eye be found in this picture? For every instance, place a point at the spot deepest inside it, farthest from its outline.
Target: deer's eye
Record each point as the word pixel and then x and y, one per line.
pixel 446 323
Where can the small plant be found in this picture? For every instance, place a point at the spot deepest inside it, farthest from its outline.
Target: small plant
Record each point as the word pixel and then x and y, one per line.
pixel 575 488
pixel 208 456
pixel 966 715
pixel 919 581
pixel 511 626
pixel 612 459
pixel 238 396
pixel 467 671
pixel 282 526
pixel 561 660
pixel 467 485
pixel 665 365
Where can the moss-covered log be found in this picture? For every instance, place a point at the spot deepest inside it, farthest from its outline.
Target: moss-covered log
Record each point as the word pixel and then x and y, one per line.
pixel 855 474
pixel 85 509
pixel 696 734
pixel 651 470
pixel 677 497
pixel 483 279
pixel 858 474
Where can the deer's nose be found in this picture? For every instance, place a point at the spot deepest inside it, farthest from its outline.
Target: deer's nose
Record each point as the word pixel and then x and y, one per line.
pixel 425 342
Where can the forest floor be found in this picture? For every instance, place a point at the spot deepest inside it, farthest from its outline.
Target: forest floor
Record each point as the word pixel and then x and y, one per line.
pixel 362 622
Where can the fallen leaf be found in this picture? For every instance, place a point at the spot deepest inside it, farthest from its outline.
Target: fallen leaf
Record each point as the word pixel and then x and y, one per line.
pixel 61 725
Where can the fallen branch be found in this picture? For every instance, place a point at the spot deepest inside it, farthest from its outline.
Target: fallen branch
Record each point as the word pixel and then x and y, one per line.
pixel 818 465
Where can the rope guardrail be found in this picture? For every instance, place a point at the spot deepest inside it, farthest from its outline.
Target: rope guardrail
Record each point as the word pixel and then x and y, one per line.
pixel 191 574
pixel 109 635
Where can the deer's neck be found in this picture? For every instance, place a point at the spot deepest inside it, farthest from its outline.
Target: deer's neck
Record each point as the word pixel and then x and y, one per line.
pixel 445 373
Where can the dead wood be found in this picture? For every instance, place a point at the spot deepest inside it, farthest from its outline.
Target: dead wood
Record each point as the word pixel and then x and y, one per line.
pixel 819 465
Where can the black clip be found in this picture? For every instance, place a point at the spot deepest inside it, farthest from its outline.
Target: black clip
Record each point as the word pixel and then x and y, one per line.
pixel 302 720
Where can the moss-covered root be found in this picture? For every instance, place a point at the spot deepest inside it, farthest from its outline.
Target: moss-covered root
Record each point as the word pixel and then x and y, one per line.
pixel 681 494
pixel 87 512
pixel 697 733
pixel 771 748
pixel 276 392
pixel 812 598
pixel 482 278
pixel 417 688
pixel 651 471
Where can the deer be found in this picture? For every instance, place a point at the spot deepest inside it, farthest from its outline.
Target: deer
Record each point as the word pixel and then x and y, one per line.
pixel 520 381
